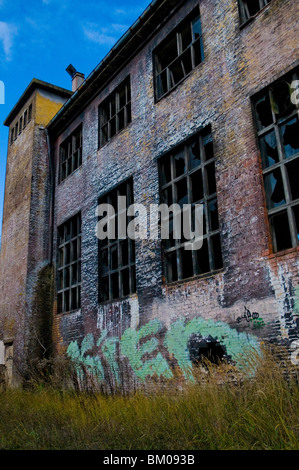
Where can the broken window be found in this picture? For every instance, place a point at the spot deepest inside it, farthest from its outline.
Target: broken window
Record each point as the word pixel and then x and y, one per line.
pixel 71 153
pixel 277 119
pixel 117 254
pixel 187 176
pixel 115 112
pixel 180 53
pixel 69 265
pixel 249 8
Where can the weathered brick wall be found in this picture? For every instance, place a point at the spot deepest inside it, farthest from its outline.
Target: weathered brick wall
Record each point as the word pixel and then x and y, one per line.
pixel 15 238
pixel 25 280
pixel 238 63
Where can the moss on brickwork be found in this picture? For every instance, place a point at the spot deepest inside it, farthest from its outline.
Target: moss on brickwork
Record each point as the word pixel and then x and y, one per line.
pixel 40 341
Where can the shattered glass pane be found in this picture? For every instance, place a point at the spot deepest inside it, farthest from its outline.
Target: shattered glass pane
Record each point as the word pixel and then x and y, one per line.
pixel 290 137
pixel 194 154
pixel 274 189
pixel 263 112
pixel 208 146
pixel 196 28
pixel 269 149
pixel 179 163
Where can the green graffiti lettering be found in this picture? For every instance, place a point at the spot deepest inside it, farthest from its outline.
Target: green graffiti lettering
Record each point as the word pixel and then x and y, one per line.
pixel 134 351
pixel 109 349
pixel 176 340
pixel 78 355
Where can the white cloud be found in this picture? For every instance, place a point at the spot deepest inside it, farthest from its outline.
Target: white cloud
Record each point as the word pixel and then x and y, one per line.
pixel 104 36
pixel 99 35
pixel 7 33
pixel 119 28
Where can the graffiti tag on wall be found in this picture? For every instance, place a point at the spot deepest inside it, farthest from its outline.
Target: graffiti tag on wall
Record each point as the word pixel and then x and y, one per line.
pixel 141 348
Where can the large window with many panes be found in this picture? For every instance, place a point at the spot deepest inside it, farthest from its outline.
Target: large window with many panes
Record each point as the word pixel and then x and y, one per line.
pixel 187 176
pixel 115 112
pixel 276 112
pixel 71 154
pixel 178 54
pixel 69 265
pixel 249 8
pixel 117 254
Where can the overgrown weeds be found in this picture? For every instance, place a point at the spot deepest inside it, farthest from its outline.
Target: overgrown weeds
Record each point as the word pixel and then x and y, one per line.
pixel 223 411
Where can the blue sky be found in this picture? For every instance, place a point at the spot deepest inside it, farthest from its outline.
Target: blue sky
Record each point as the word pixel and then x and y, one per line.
pixel 40 38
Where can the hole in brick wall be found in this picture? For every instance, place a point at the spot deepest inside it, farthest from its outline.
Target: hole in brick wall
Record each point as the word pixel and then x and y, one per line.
pixel 206 348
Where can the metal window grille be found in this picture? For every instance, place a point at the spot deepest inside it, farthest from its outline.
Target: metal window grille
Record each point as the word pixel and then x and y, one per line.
pixel 69 265
pixel 277 120
pixel 71 153
pixel 178 55
pixel 117 277
pixel 187 176
pixel 115 113
pixel 249 8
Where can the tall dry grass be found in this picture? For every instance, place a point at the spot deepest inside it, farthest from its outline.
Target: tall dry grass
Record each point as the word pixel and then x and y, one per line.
pixel 223 411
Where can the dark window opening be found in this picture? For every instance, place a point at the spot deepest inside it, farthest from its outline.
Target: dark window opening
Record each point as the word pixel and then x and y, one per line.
pixel 117 255
pixel 12 135
pixel 187 176
pixel 71 154
pixel 115 113
pixel 25 119
pixel 178 55
pixel 249 8
pixel 21 125
pixel 206 349
pixel 29 113
pixel 277 121
pixel 69 265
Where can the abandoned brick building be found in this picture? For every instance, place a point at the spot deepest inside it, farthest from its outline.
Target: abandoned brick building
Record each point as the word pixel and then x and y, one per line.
pixel 196 103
